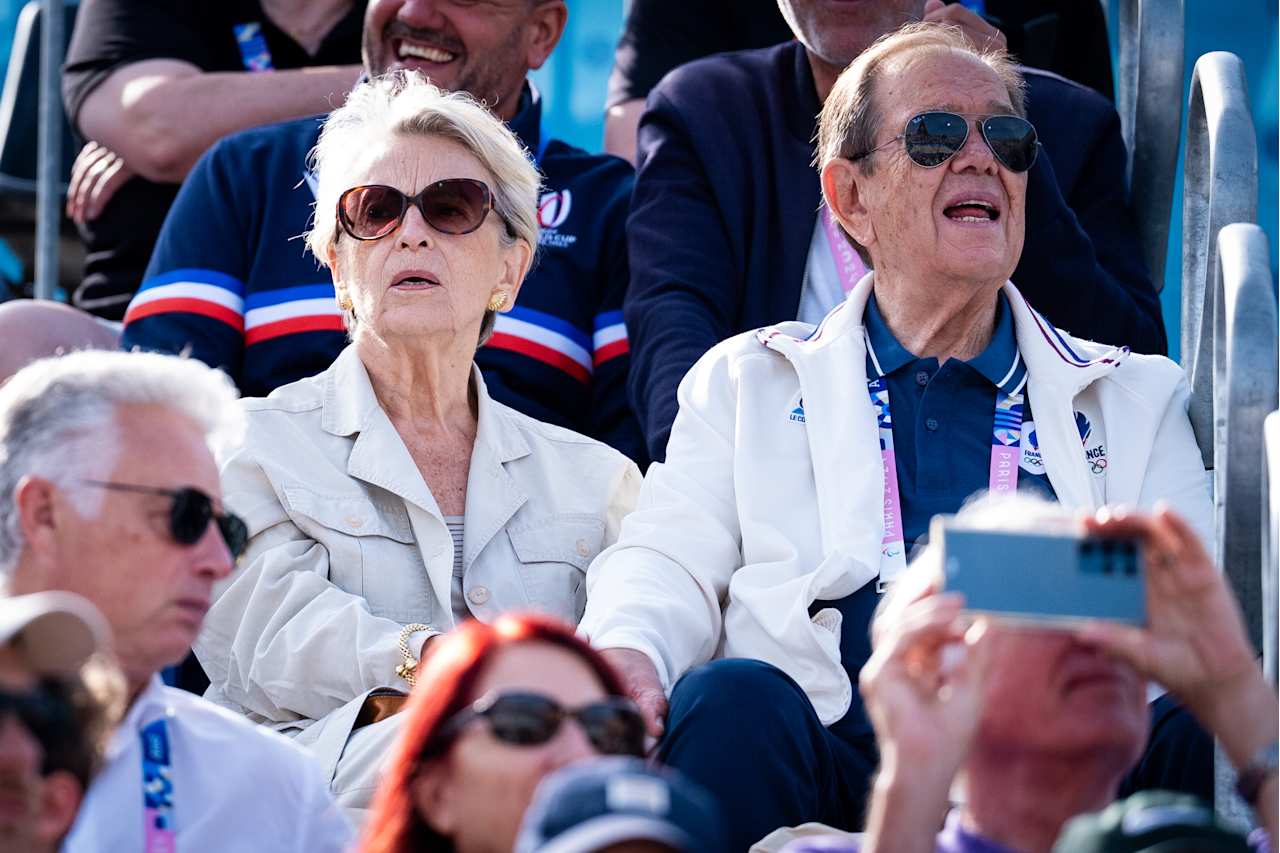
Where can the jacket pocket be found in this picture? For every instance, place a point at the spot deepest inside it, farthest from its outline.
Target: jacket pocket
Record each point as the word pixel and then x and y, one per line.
pixel 372 551
pixel 553 553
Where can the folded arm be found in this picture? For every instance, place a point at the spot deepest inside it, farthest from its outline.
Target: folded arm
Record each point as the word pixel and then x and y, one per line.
pixel 160 115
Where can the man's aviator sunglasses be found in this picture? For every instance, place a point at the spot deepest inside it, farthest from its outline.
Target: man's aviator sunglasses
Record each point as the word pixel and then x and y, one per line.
pixel 613 725
pixel 190 512
pixel 933 138
pixel 452 206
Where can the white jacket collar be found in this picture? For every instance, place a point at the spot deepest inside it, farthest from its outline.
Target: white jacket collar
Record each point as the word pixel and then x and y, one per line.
pixel 1056 358
pixel 830 358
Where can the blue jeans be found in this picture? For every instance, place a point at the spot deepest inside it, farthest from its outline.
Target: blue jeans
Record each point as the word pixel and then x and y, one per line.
pixel 745 731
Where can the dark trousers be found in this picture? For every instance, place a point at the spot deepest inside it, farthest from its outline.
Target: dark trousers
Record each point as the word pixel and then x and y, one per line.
pixel 745 731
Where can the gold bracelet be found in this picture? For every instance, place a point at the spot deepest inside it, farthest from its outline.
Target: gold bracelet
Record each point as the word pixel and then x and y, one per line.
pixel 406 669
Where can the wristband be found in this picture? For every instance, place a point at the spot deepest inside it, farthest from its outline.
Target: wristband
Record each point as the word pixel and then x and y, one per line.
pixel 1255 774
pixel 407 669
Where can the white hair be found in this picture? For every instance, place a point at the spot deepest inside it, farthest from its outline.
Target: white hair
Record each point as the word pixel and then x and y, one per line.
pixel 403 102
pixel 57 421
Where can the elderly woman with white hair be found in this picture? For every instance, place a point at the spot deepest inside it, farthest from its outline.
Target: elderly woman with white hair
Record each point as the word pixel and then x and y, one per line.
pixel 389 498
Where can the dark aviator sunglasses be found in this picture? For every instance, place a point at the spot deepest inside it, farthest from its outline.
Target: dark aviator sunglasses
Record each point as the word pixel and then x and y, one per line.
pixel 933 138
pixel 614 725
pixel 190 512
pixel 453 206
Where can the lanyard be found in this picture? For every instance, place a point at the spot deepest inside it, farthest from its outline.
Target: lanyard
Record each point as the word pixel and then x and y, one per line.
pixel 254 53
pixel 849 266
pixel 157 789
pixel 1006 436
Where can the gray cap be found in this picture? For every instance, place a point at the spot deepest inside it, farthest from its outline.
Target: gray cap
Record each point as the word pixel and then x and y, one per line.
pixel 590 805
pixel 56 632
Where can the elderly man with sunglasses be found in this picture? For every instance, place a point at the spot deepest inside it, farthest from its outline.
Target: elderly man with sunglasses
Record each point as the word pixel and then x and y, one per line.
pixel 727 232
pixel 805 462
pixel 108 489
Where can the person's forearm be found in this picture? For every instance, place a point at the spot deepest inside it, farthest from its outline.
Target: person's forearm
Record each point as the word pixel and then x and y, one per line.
pixel 161 124
pixel 905 814
pixel 1244 719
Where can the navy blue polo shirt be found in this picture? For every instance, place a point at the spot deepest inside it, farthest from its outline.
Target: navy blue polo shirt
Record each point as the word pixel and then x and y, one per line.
pixel 942 420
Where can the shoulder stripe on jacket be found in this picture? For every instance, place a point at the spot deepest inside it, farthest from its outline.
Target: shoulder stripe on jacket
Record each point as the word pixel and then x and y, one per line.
pixel 610 337
pixel 290 310
pixel 208 293
pixel 545 338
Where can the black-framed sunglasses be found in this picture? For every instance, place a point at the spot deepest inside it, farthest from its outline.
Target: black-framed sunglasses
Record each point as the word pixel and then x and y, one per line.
pixel 933 138
pixel 452 206
pixel 613 725
pixel 190 514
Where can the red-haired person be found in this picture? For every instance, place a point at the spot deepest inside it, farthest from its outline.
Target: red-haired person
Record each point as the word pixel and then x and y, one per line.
pixel 497 707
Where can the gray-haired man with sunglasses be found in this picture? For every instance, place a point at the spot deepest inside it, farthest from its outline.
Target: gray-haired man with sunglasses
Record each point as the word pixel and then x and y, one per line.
pixel 108 489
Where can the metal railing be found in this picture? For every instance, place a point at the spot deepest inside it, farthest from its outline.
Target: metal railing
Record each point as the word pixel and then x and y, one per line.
pixel 1149 99
pixel 48 179
pixel 1220 186
pixel 1246 389
pixel 1243 389
pixel 1271 549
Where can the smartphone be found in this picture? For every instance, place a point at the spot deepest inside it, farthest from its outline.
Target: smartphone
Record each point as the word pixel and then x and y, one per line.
pixel 1044 578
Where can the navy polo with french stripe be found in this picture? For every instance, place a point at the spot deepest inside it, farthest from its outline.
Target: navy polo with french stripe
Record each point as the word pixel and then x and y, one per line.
pixel 231 283
pixel 943 416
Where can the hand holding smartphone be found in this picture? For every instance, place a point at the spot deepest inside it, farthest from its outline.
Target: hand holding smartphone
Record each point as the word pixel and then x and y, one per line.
pixel 1043 578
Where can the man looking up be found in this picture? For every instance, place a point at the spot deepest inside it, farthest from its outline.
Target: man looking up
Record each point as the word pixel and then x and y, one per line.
pixel 726 234
pixel 1042 723
pixel 108 490
pixel 229 282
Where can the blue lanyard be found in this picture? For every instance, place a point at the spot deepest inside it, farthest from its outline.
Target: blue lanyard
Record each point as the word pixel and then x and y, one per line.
pixel 1006 438
pixel 159 834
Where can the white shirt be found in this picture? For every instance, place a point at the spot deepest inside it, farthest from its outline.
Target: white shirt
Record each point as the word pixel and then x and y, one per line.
pixel 821 290
pixel 826 281
pixel 236 786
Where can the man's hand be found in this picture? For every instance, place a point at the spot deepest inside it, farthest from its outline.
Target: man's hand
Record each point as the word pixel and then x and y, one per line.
pixel 922 686
pixel 1195 642
pixel 640 678
pixel 979 32
pixel 923 690
pixel 95 176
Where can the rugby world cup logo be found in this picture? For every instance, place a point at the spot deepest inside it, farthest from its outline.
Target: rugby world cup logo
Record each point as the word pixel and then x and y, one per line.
pixel 553 209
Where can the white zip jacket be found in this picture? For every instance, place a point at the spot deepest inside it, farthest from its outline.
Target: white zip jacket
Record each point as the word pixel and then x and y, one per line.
pixel 770 496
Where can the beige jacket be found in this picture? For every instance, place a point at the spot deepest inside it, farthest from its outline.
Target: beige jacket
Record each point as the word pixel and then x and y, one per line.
pixel 348 546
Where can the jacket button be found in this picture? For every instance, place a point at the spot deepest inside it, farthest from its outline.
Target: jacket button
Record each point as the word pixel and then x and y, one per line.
pixel 583 548
pixel 478 595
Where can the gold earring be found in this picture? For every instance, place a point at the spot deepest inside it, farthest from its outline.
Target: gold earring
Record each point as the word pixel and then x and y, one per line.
pixel 497 301
pixel 345 303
